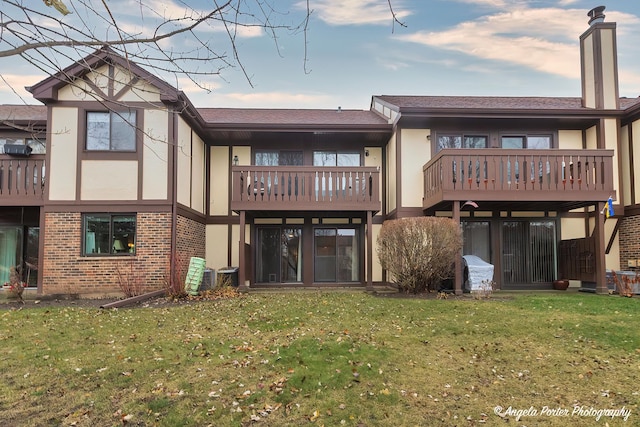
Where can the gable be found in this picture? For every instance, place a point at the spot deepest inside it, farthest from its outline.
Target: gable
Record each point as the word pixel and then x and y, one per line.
pixel 104 75
pixel 109 82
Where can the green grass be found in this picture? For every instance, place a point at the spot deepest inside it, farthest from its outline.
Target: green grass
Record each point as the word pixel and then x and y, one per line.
pixel 304 358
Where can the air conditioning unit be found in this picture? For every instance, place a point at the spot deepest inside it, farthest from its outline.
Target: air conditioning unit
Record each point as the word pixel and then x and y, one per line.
pixel 208 280
pixel 17 149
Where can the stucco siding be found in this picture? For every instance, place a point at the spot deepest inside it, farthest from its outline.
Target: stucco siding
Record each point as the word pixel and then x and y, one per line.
pixel 219 181
pixel 155 155
pixel 109 180
pixel 64 153
pixel 414 153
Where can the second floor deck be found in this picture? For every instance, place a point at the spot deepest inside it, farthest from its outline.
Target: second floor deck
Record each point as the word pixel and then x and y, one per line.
pixel 22 180
pixel 556 180
pixel 305 188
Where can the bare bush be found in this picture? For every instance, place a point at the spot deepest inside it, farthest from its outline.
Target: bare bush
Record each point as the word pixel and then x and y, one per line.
pixel 175 277
pixel 130 280
pixel 419 252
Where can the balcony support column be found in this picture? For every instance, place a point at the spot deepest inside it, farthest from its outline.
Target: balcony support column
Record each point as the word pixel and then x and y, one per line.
pixel 457 263
pixel 601 274
pixel 369 251
pixel 242 287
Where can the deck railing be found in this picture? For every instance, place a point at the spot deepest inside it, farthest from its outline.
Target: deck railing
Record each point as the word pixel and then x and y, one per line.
pixel 22 180
pixel 305 188
pixel 506 174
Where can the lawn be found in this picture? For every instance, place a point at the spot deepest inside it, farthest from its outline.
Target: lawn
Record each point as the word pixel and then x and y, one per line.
pixel 335 358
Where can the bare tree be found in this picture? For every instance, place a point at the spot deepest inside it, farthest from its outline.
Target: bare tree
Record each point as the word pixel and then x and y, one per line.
pixel 172 38
pixel 167 38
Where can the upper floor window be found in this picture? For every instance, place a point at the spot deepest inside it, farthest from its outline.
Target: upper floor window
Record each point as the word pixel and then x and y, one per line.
pixel 462 141
pixel 535 142
pixel 335 158
pixel 278 158
pixel 111 131
pixel 109 234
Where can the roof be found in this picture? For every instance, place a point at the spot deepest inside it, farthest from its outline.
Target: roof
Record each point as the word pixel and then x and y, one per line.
pixel 492 103
pixel 291 117
pixel 23 113
pixel 47 89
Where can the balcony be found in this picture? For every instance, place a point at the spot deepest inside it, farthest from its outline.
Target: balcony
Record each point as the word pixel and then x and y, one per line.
pixel 305 188
pixel 22 180
pixel 557 180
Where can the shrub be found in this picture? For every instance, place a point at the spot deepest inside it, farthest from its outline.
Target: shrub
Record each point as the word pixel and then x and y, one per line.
pixel 130 280
pixel 419 252
pixel 174 278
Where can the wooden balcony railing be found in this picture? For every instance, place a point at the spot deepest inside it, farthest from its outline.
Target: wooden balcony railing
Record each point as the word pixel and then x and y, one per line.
pixel 22 180
pixel 518 176
pixel 303 188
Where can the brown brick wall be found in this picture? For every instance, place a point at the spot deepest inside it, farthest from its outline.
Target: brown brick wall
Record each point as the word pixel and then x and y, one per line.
pixel 65 271
pixel 190 238
pixel 629 237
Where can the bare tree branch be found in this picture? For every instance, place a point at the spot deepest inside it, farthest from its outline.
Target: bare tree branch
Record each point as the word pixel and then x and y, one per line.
pixel 395 19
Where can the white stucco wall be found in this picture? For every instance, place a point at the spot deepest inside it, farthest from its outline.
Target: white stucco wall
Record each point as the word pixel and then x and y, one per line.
pixel 198 174
pixel 155 155
pixel 570 139
pixel 217 245
pixel 636 157
pixel 184 163
pixel 219 181
pixel 63 150
pixel 391 174
pixel 109 180
pixel 414 153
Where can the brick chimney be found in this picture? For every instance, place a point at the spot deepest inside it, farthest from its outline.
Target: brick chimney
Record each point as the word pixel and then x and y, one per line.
pixel 599 62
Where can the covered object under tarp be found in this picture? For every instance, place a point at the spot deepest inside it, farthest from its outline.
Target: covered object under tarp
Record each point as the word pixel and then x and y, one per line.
pixel 477 271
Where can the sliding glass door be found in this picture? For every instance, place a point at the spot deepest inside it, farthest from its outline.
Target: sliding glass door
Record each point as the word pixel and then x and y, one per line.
pixel 279 255
pixel 528 252
pixel 10 251
pixel 336 257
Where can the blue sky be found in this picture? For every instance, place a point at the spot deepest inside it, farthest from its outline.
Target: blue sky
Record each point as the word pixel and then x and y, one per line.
pixel 448 47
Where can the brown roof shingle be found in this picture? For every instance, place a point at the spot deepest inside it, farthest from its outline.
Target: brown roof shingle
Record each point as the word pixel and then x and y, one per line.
pixel 23 113
pixel 290 117
pixel 492 102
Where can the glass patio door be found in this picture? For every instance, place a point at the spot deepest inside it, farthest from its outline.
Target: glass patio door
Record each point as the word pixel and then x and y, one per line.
pixel 10 251
pixel 528 252
pixel 279 255
pixel 336 256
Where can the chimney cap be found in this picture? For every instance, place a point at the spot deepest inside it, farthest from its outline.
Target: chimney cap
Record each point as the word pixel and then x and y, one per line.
pixel 596 15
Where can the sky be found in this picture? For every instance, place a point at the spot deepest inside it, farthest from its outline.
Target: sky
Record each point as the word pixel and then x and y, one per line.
pixel 354 50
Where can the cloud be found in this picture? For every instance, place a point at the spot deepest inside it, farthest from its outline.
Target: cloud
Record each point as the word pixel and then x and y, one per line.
pixel 541 39
pixel 12 87
pixel 355 12
pixel 262 100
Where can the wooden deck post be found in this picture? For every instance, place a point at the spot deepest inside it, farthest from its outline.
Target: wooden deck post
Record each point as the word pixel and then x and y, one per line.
pixel 601 274
pixel 242 287
pixel 457 263
pixel 369 251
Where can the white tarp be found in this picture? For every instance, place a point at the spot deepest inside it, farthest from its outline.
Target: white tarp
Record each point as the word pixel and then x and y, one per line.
pixel 479 271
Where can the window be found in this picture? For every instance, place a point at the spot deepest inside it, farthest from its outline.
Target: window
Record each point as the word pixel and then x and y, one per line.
pixel 335 158
pixel 111 131
pixel 278 158
pixel 107 234
pixel 537 142
pixel 461 141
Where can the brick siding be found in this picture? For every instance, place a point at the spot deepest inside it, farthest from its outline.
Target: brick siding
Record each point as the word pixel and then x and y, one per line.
pixel 66 271
pixel 190 238
pixel 629 237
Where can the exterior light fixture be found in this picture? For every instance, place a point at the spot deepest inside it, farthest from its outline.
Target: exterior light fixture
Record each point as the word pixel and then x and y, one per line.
pixel 235 160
